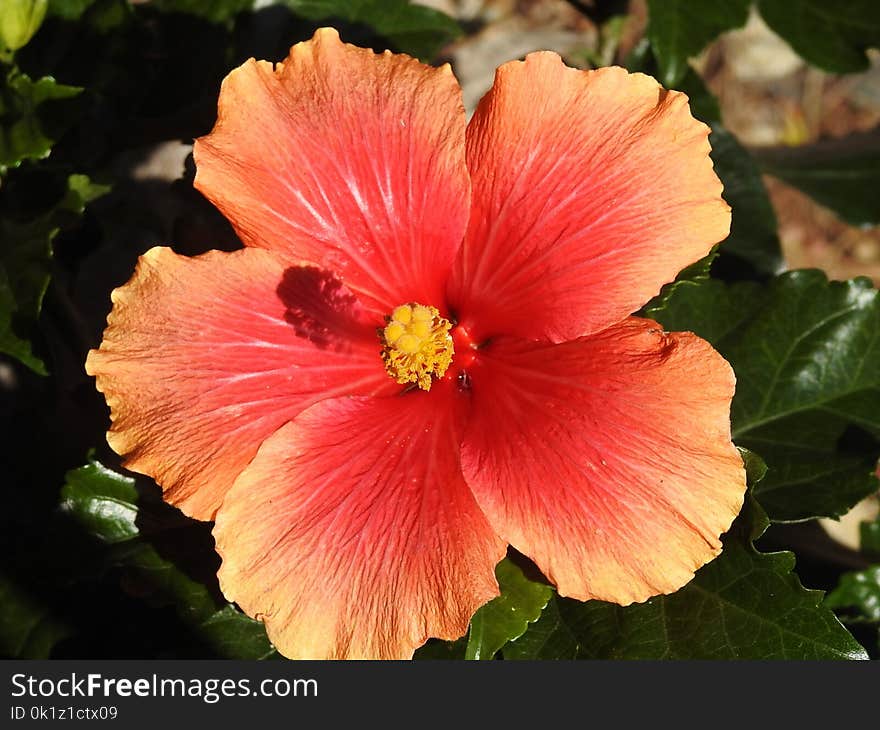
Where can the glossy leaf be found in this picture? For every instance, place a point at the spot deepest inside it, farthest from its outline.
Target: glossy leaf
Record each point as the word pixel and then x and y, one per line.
pixel 106 505
pixel 232 634
pixel 680 29
pixel 806 353
pixel 753 236
pixel 28 630
pixel 742 605
pixel 25 118
pixel 410 27
pixel 550 637
pixel 697 271
pixel 752 521
pixel 103 501
pixel 710 308
pixel 833 36
pixel 857 596
pixel 507 616
pixel 25 267
pixel 859 591
pixel 842 174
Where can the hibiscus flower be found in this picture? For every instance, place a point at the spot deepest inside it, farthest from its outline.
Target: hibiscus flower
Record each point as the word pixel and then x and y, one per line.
pixel 424 354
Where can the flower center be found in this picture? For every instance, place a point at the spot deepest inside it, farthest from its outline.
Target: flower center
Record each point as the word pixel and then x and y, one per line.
pixel 417 344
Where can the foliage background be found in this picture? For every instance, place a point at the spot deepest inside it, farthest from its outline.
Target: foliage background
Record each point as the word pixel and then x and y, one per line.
pixel 99 103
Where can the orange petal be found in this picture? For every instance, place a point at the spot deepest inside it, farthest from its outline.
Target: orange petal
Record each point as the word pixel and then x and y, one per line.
pixel 204 358
pixel 352 534
pixel 351 160
pixel 591 189
pixel 607 460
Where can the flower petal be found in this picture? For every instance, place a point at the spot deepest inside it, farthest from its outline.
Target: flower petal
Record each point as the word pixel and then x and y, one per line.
pixel 204 358
pixel 591 189
pixel 351 160
pixel 607 460
pixel 353 535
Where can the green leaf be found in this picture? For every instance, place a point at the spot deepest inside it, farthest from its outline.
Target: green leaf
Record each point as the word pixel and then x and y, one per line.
pixel 753 520
pixel 80 192
pixel 25 117
pixel 232 634
pixel 688 275
pixel 833 36
pixel 411 28
pixel 69 9
pixel 550 637
pixel 19 20
pixel 753 236
pixel 869 536
pixel 742 605
pixel 857 596
pixel 507 616
pixel 216 11
pixel 103 501
pixel 10 342
pixel 680 29
pixel 107 505
pixel 25 267
pixel 842 174
pixel 435 649
pixel 703 103
pixel 859 591
pixel 710 308
pixel 28 630
pixel 25 256
pixel 806 353
pixel 99 16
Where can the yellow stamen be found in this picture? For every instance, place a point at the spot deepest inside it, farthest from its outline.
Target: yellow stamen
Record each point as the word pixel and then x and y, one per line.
pixel 417 344
pixel 393 332
pixel 402 314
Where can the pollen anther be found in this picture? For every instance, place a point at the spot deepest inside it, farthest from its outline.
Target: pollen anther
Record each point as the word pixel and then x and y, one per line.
pixel 417 344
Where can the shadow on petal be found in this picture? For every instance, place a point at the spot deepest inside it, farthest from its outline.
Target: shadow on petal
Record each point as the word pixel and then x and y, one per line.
pixel 321 309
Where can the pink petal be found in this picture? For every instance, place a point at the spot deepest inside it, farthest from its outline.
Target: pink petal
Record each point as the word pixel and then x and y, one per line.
pixel 347 159
pixel 353 535
pixel 204 358
pixel 608 459
pixel 591 189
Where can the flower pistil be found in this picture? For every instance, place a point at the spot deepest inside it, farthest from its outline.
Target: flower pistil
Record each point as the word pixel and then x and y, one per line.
pixel 417 344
